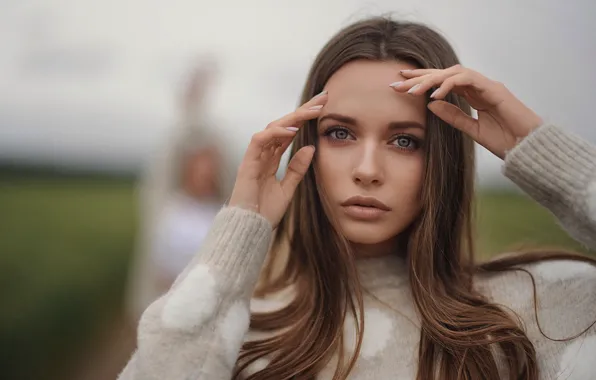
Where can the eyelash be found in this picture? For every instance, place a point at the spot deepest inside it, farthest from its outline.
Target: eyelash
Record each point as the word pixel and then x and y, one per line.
pixel 414 140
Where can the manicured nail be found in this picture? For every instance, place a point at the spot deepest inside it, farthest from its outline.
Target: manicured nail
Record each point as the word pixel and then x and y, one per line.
pixel 405 71
pixel 316 108
pixel 395 84
pixel 413 89
pixel 320 94
pixel 293 129
pixel 435 92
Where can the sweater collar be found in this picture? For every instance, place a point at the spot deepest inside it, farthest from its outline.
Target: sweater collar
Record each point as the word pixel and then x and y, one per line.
pixel 384 271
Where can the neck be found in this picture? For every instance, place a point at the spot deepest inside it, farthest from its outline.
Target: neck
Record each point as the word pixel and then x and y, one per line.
pixel 390 270
pixel 386 248
pixel 382 264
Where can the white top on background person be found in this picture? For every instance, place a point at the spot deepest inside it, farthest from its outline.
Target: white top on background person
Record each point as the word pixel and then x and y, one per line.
pixel 188 213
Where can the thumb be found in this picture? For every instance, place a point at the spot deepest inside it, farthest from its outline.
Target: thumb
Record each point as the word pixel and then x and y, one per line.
pixel 297 169
pixel 454 116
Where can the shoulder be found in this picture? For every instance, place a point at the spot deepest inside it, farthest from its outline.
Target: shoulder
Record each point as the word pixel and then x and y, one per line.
pixel 569 279
pixel 564 273
pixel 561 294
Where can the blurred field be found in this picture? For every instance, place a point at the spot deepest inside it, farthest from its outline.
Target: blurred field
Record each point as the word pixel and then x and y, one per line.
pixel 509 221
pixel 64 248
pixel 65 242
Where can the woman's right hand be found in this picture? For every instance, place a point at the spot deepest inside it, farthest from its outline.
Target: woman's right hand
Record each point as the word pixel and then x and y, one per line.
pixel 256 186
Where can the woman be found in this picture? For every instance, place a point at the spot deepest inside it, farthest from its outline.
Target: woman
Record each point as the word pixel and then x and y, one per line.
pixel 371 272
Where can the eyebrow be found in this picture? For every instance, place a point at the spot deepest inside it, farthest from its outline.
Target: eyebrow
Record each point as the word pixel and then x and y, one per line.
pixel 392 125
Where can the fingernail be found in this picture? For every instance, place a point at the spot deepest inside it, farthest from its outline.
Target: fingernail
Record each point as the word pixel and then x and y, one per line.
pixel 435 92
pixel 293 129
pixel 413 89
pixel 316 108
pixel 395 84
pixel 320 94
pixel 405 71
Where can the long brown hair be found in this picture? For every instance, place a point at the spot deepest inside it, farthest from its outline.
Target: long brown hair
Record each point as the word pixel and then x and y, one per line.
pixel 459 327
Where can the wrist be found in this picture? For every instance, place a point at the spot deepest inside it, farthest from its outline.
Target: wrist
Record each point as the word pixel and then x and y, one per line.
pixel 242 201
pixel 528 122
pixel 244 205
pixel 525 122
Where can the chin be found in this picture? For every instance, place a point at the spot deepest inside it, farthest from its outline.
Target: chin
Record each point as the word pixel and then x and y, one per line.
pixel 366 232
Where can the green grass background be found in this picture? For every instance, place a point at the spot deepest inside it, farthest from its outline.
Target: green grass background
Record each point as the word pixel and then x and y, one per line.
pixel 66 241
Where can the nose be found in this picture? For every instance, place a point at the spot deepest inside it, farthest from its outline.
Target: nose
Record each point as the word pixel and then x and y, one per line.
pixel 368 168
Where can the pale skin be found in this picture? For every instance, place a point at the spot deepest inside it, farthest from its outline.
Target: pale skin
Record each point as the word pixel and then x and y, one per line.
pixel 199 174
pixel 371 144
pixel 376 151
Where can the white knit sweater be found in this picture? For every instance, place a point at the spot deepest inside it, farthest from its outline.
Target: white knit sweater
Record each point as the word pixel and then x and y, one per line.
pixel 195 331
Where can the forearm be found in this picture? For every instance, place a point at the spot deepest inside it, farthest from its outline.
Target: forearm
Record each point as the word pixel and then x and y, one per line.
pixel 558 170
pixel 195 330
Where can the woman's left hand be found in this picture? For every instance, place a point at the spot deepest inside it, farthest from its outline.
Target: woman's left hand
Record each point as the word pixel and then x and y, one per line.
pixel 503 120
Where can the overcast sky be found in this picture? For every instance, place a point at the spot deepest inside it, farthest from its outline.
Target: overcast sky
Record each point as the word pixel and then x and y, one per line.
pixel 94 82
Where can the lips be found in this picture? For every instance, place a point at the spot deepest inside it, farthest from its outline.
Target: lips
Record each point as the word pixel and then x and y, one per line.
pixel 366 202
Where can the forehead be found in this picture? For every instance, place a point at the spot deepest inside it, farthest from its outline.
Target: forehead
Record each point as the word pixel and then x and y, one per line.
pixel 360 89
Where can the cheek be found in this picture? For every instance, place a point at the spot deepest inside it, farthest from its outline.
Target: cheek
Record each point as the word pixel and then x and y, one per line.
pixel 331 165
pixel 412 174
pixel 408 182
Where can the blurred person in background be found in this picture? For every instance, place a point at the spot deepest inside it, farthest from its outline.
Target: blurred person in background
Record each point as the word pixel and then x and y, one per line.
pixel 180 194
pixel 188 212
pixel 378 275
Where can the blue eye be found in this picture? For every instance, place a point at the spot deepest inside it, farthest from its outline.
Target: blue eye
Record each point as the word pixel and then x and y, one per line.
pixel 406 142
pixel 338 133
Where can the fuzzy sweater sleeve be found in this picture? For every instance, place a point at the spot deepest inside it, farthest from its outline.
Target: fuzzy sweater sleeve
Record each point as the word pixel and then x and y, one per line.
pixel 558 170
pixel 196 329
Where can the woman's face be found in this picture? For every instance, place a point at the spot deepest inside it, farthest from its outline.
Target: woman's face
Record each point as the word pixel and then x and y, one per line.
pixel 200 174
pixel 370 158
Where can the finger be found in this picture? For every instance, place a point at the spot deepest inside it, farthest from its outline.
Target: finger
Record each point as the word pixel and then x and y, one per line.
pixel 320 98
pixel 309 110
pixel 460 80
pixel 432 80
pixel 454 116
pixel 424 79
pixel 274 160
pixel 421 72
pixel 409 84
pixel 266 139
pixel 297 168
pixel 281 149
pixel 268 151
